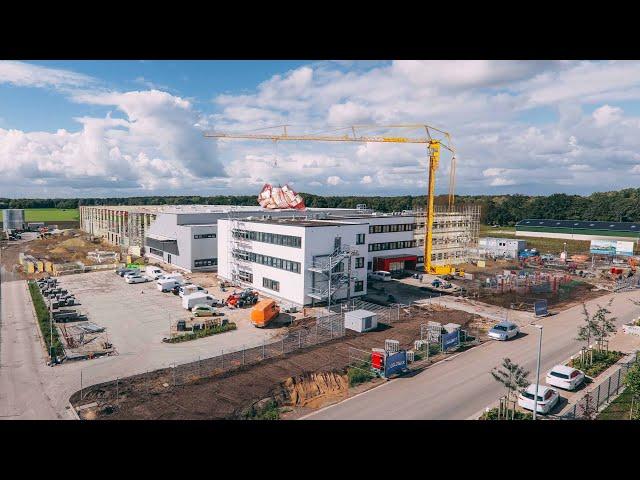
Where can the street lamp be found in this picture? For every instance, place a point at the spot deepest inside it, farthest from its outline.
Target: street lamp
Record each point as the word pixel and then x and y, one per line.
pixel 535 398
pixel 50 333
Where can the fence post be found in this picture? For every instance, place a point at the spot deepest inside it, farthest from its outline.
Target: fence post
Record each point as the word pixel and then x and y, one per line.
pixel 609 389
pixel 618 383
pixel 282 344
pixel 316 332
pixel 243 350
pixel 117 389
pixel 223 359
pixel 81 390
pixel 598 397
pixel 299 341
pixel 575 408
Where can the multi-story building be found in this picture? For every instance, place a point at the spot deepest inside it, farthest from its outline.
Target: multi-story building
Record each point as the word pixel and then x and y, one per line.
pixel 297 261
pixel 500 247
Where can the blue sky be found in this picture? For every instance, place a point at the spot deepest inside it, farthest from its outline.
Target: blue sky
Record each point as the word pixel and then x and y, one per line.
pixel 119 128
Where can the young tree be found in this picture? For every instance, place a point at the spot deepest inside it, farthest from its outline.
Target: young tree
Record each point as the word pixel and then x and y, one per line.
pixel 589 329
pixel 587 409
pixel 511 375
pixel 605 326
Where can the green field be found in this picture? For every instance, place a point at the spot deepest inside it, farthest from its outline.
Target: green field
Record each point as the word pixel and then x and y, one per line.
pixel 51 215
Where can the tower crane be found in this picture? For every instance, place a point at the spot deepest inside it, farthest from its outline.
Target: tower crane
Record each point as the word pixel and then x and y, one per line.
pixel 352 134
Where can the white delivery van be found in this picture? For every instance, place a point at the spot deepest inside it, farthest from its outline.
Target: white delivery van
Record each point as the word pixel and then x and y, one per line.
pixel 168 276
pixel 154 272
pixel 190 288
pixel 380 275
pixel 168 284
pixel 198 298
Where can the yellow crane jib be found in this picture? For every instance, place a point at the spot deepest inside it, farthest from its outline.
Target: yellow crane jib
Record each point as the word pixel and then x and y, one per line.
pixel 433 147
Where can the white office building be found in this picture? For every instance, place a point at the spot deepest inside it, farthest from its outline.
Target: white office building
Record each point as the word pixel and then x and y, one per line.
pixel 494 247
pixel 296 261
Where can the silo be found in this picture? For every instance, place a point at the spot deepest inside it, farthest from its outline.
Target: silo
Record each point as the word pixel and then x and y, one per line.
pixel 13 219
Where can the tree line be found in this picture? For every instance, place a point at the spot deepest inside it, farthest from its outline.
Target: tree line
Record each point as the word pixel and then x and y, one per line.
pixel 622 205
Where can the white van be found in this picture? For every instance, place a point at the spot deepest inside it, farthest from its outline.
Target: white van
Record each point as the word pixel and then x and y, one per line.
pixel 154 272
pixel 380 275
pixel 168 284
pixel 188 289
pixel 198 298
pixel 169 276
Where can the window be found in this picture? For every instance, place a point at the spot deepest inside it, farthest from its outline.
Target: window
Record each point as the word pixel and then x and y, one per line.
pixel 204 235
pixel 155 251
pixel 358 286
pixel 559 375
pixel 359 262
pixel 271 284
pixel 275 262
pixel 245 276
pixel 375 247
pixel 205 262
pixel 264 237
pixel 360 239
pixel 369 265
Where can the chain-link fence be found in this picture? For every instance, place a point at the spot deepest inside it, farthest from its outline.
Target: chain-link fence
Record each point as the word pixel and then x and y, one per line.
pixel 326 328
pixel 588 406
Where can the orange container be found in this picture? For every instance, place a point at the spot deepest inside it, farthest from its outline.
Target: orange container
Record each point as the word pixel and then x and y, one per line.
pixel 263 312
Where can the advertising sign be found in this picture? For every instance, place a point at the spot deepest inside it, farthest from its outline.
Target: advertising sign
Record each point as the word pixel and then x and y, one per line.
pixel 450 340
pixel 433 333
pixel 603 247
pixel 624 248
pixel 395 363
pixel 540 307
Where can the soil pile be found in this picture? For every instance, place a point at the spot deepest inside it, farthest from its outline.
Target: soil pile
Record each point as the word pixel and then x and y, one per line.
pixel 313 389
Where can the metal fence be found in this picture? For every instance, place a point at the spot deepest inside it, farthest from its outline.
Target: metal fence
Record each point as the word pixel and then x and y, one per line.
pixel 588 406
pixel 386 314
pixel 327 327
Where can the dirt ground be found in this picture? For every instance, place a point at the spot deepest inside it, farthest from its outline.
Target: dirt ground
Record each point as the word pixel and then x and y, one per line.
pixel 230 394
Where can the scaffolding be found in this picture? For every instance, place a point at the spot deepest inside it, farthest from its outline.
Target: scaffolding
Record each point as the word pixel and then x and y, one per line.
pixel 328 274
pixel 455 233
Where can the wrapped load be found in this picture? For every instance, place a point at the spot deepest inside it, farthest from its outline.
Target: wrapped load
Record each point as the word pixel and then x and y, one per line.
pixel 276 198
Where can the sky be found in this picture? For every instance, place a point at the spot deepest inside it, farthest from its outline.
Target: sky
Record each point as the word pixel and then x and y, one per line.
pixel 130 128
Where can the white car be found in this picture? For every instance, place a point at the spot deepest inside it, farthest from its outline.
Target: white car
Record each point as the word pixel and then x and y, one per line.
pixel 133 272
pixel 565 377
pixel 504 331
pixel 136 279
pixel 380 275
pixel 547 398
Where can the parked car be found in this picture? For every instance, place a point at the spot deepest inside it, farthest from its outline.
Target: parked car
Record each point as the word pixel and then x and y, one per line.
pixel 123 271
pixel 190 288
pixel 380 275
pixel 154 272
pixel 137 278
pixel 132 273
pixel 504 331
pixel 202 310
pixel 198 298
pixel 565 377
pixel 547 398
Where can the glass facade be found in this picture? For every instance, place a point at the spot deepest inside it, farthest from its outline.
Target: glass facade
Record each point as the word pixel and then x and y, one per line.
pixel 376 247
pixel 275 262
pixel 273 238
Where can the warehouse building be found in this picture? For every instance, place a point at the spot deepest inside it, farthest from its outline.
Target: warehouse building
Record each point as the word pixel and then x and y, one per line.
pixel 493 247
pixel 578 229
pixel 13 219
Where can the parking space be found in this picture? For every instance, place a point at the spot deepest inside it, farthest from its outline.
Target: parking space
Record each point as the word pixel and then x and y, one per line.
pixel 138 316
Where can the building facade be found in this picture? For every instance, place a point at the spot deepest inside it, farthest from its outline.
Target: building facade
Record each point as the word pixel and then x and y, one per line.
pixel 494 247
pixel 296 261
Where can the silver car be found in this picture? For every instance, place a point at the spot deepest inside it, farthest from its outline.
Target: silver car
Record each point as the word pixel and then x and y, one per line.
pixel 504 331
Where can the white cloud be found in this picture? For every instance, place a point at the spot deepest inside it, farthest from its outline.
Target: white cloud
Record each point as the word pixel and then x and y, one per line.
pixel 153 139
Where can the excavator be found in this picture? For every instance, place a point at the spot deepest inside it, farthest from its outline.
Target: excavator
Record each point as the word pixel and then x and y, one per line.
pixel 353 134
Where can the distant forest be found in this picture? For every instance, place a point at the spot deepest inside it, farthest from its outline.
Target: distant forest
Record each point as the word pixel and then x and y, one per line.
pixel 623 205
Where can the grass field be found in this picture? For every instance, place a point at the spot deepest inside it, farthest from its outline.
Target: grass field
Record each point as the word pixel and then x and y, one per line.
pixel 619 409
pixel 51 215
pixel 542 244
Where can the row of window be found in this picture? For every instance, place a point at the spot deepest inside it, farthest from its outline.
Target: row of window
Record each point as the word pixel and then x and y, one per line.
pixel 275 262
pixel 155 251
pixel 245 276
pixel 376 247
pixel 273 238
pixel 399 227
pixel 271 284
pixel 205 262
pixel 445 255
pixel 204 235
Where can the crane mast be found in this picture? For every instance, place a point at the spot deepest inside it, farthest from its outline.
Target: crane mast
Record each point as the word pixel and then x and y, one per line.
pixel 351 135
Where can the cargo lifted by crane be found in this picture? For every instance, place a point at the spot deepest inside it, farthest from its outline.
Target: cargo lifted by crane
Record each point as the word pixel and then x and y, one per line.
pixel 352 134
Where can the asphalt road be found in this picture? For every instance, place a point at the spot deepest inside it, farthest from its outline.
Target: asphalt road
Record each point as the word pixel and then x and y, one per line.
pixel 463 386
pixel 23 367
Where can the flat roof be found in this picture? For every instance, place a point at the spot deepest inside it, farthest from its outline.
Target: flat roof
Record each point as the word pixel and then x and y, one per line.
pixel 581 224
pixel 297 222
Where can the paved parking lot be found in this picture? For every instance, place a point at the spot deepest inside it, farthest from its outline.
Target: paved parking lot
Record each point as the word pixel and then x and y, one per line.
pixel 138 316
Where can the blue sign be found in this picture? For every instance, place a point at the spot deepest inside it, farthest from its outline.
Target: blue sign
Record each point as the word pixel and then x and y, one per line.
pixel 540 307
pixel 450 340
pixel 395 363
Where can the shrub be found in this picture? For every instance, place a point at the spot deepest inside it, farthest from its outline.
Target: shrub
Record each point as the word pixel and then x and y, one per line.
pixel 601 361
pixel 202 333
pixel 359 374
pixel 42 314
pixel 493 415
pixel 270 411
